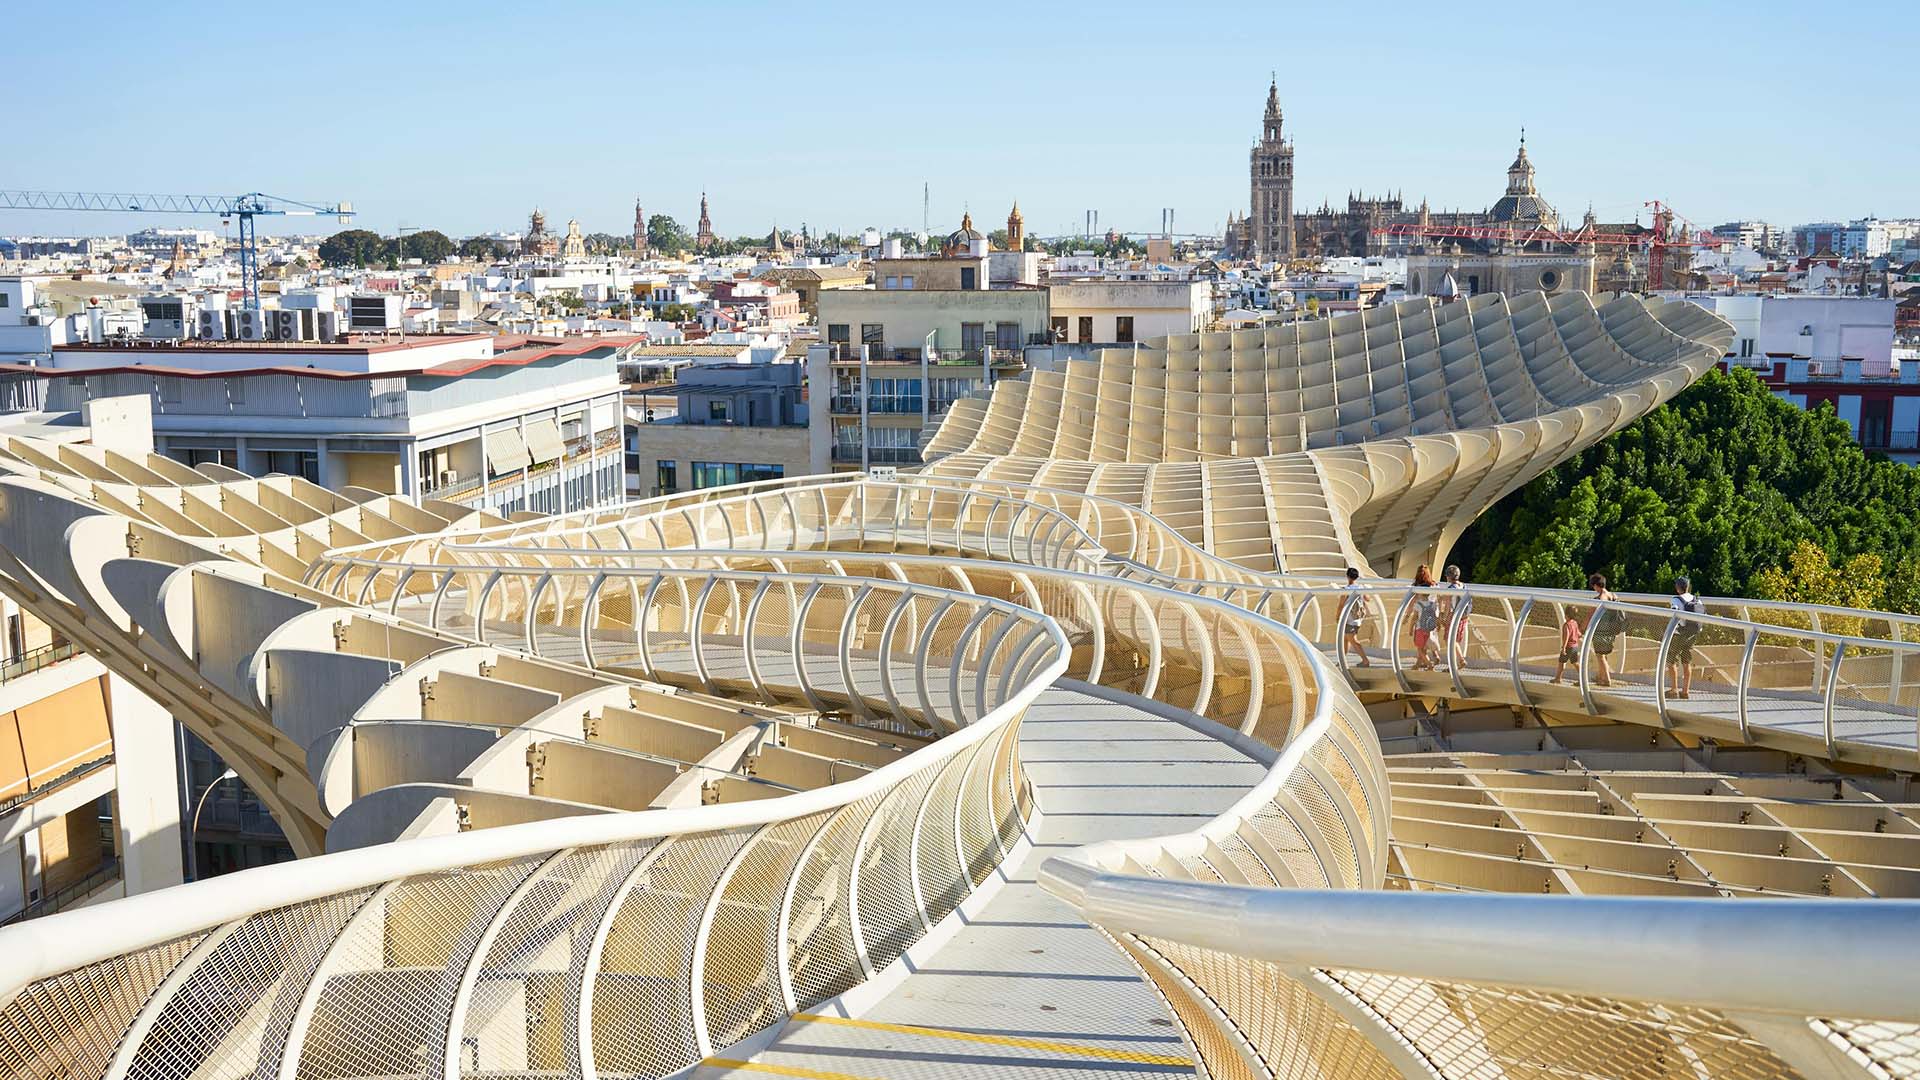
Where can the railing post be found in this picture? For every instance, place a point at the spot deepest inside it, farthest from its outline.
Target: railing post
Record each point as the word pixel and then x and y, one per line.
pixel 1520 694
pixel 1744 677
pixel 1660 670
pixel 1833 687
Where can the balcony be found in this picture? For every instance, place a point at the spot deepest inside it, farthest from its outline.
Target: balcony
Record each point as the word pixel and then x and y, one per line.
pixel 878 455
pixel 35 659
pixel 849 405
pixel 1896 441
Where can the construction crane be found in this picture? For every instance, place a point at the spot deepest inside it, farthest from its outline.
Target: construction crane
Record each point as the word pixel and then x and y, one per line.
pixel 229 207
pixel 1669 231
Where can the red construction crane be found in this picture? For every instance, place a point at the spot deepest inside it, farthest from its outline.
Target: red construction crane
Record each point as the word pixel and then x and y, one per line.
pixel 1656 241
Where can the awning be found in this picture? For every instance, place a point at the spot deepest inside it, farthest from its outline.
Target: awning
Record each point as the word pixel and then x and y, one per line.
pixel 543 441
pixel 506 451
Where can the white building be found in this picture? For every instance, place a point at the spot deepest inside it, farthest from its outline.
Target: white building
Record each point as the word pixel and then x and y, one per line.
pixel 503 424
pixel 1107 311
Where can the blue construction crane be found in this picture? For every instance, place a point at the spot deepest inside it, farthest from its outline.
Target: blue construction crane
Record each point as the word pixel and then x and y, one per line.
pixel 229 207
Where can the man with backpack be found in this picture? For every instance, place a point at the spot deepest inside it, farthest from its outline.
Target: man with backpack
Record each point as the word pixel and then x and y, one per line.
pixel 1680 648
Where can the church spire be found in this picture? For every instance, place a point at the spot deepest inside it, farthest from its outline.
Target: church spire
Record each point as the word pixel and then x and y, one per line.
pixel 1270 128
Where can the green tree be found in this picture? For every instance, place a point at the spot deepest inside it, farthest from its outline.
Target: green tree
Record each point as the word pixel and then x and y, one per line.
pixel 1722 483
pixel 604 243
pixel 428 245
pixel 665 235
pixel 353 247
pixel 678 313
pixel 482 249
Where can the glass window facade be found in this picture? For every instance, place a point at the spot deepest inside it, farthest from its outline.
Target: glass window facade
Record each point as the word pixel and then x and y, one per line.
pixel 708 474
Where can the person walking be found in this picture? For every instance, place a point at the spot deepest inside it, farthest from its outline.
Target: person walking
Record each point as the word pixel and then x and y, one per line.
pixel 1607 625
pixel 1680 647
pixel 1569 646
pixel 1450 579
pixel 1426 618
pixel 1353 618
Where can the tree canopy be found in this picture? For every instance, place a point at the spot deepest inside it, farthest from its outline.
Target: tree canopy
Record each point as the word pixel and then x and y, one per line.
pixel 482 249
pixel 665 235
pixel 428 245
pixel 1725 484
pixel 353 247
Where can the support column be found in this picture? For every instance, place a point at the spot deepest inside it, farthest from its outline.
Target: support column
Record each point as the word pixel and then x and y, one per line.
pixel 146 789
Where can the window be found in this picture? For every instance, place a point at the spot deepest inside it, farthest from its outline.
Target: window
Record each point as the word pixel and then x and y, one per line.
pixel 294 463
pixel 708 474
pixel 1058 325
pixel 969 277
pixel 973 337
pixel 666 477
pixel 169 387
pixel 873 335
pixel 1123 328
pixel 837 333
pixel 1746 348
pixel 236 391
pixel 717 412
pixel 1006 335
pixel 5 300
pixel 892 282
pixel 1086 329
pixel 907 282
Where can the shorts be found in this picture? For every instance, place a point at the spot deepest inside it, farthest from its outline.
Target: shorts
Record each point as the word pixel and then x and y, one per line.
pixel 1353 629
pixel 1680 653
pixel 1570 655
pixel 1421 637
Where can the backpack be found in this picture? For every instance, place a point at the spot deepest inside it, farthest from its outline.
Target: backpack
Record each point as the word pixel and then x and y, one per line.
pixel 1689 630
pixel 1426 614
pixel 1612 621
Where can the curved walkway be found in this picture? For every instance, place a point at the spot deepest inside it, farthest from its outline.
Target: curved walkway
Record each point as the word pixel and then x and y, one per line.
pixel 1025 989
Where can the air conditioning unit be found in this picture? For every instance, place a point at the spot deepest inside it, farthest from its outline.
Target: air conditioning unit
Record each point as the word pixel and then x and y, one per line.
pixel 250 324
pixel 1820 369
pixel 326 326
pixel 377 313
pixel 210 324
pixel 448 476
pixel 286 324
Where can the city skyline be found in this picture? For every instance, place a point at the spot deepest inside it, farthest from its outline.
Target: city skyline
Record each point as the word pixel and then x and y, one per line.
pixel 469 140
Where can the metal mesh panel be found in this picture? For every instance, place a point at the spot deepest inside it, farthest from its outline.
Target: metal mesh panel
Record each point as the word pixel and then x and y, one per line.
pixel 385 989
pixel 527 982
pixel 1313 798
pixel 743 958
pixel 890 918
pixel 942 884
pixel 978 844
pixel 820 945
pixel 642 993
pixel 229 1016
pixel 69 1025
pixel 1247 861
pixel 1219 1055
pixel 1290 1027
pixel 1488 1032
pixel 1275 826
pixel 1892 1046
pixel 1334 761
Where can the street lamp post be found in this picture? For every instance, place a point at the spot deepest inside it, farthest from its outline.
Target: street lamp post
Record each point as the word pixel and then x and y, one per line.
pixel 193 830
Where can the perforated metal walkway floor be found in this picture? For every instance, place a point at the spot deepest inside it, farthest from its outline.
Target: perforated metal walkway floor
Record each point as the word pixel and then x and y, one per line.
pixel 1026 989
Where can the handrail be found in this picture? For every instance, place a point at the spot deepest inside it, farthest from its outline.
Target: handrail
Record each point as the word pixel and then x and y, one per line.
pixel 35 659
pixel 66 942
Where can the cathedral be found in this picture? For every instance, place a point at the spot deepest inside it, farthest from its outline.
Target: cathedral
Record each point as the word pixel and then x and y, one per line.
pixel 1274 232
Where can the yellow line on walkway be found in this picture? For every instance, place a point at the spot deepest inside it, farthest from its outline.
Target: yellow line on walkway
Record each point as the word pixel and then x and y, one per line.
pixel 783 1070
pixel 1005 1040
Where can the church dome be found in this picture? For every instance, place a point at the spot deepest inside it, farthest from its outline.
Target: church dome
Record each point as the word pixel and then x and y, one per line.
pixel 965 235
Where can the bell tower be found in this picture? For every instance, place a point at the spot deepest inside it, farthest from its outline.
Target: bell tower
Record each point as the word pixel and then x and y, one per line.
pixel 1270 226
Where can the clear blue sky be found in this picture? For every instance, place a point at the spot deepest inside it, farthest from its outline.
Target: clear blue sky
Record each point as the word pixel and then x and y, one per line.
pixel 836 113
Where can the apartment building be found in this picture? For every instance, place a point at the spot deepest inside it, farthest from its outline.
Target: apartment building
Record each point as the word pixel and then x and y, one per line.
pixel 1102 310
pixel 732 424
pixel 1835 350
pixel 499 423
pixel 928 331
pixel 75 828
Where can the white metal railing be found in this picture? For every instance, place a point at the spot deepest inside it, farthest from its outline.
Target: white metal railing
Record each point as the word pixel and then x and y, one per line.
pixel 618 944
pixel 1287 982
